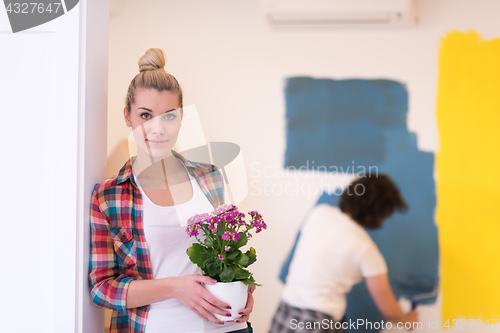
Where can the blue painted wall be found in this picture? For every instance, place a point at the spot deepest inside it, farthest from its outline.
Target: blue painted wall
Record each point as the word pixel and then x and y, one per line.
pixel 362 123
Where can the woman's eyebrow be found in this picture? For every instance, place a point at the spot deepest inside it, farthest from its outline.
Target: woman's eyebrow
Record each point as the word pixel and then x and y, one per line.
pixel 143 108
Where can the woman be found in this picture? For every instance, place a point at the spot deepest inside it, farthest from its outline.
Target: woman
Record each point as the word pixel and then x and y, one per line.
pixel 333 253
pixel 138 262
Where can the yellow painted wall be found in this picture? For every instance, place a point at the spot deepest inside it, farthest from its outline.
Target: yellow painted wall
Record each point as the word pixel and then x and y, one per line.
pixel 468 184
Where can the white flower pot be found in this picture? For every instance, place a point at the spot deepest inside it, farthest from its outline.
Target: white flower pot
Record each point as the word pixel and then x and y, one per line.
pixel 234 293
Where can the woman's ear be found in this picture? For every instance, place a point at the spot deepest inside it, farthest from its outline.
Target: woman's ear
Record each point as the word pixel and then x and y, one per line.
pixel 126 115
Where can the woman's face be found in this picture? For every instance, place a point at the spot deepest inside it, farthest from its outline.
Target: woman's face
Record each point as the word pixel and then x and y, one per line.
pixel 155 119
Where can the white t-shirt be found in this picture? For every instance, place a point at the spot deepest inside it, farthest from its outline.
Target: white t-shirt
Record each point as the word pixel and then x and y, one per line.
pixel 165 233
pixel 333 254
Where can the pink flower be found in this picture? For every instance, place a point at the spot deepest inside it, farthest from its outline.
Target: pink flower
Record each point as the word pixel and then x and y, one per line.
pixel 221 257
pixel 226 237
pixel 227 248
pixel 192 231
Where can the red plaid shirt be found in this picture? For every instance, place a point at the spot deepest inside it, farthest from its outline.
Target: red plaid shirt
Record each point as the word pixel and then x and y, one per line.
pixel 118 248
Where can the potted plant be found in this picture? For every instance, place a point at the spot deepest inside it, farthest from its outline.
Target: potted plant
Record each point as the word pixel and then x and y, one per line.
pixel 220 236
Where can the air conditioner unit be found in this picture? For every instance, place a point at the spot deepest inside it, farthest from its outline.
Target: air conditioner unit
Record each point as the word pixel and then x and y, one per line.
pixel 340 12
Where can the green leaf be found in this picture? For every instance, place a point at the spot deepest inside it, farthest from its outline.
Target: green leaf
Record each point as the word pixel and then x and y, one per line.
pixel 233 255
pixel 213 269
pixel 208 262
pixel 250 282
pixel 242 241
pixel 227 274
pixel 243 260
pixel 251 252
pixel 198 254
pixel 220 229
pixel 241 274
pixel 252 256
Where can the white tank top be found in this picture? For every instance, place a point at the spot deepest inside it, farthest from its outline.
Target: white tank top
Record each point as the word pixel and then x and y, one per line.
pixel 167 240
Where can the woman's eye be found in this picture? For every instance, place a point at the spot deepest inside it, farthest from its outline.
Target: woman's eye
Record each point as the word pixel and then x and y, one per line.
pixel 145 116
pixel 169 116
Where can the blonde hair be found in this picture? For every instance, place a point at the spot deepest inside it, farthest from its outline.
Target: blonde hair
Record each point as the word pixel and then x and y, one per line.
pixel 152 75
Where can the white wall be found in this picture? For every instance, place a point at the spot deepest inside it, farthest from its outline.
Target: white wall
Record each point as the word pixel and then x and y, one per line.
pixel 92 135
pixel 46 187
pixel 39 106
pixel 232 65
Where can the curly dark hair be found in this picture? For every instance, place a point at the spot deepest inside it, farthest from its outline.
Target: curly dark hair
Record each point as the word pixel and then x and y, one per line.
pixel 371 199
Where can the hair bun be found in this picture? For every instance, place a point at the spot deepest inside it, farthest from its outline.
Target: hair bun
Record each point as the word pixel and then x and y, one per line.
pixel 153 59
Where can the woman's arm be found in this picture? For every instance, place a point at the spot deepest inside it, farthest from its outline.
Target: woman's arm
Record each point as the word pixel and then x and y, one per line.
pixel 381 293
pixel 107 284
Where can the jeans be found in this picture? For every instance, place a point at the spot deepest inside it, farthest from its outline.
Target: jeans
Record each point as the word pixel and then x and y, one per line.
pixel 245 330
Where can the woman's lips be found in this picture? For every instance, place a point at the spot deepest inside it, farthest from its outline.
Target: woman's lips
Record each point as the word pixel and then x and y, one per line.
pixel 156 142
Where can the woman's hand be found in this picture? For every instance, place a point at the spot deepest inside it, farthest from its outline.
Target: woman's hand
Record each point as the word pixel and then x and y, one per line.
pixel 383 296
pixel 248 308
pixel 188 290
pixel 411 317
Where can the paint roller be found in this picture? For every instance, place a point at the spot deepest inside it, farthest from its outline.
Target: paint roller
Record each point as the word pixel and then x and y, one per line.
pixel 425 297
pixel 418 287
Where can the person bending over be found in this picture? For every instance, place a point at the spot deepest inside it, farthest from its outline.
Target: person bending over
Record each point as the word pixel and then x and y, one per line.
pixel 333 253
